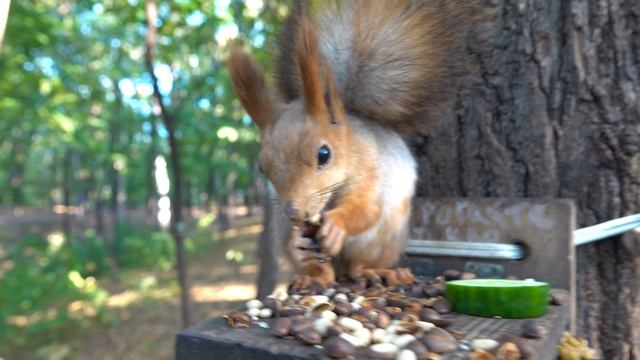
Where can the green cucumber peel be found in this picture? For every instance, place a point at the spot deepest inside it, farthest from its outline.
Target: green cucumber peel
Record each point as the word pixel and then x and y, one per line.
pixel 499 297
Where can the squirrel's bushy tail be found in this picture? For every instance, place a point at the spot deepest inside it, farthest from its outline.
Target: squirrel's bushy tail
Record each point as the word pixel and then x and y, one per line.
pixel 393 61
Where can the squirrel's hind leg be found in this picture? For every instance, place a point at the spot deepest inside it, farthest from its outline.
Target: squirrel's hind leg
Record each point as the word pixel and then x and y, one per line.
pixel 390 277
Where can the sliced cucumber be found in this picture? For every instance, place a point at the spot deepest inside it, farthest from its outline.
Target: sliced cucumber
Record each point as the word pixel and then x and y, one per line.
pixel 497 297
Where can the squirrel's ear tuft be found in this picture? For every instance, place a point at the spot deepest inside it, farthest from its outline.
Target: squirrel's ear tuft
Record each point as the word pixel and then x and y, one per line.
pixel 318 88
pixel 251 87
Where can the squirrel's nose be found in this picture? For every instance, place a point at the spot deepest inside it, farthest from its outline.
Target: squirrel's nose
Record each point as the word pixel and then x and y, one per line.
pixel 291 212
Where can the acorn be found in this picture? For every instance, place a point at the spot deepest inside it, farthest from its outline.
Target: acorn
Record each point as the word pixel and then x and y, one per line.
pixel 560 297
pixel 524 349
pixel 419 349
pixel 508 351
pixel 338 348
pixel 451 274
pixel 530 329
pixel 440 341
pixel 343 308
pixel 282 327
pixel 274 304
pixel 467 275
pixel 443 306
pixel 310 337
pixel 292 311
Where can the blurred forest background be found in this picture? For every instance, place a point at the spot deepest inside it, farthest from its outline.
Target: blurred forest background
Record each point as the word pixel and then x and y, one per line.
pixel 92 145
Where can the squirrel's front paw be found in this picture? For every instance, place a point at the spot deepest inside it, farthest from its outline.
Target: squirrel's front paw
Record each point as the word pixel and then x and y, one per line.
pixel 331 235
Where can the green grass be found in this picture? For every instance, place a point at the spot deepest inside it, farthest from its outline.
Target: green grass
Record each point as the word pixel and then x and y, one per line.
pixel 51 287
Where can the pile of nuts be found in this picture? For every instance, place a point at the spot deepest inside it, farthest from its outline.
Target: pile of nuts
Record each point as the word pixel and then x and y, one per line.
pixel 400 322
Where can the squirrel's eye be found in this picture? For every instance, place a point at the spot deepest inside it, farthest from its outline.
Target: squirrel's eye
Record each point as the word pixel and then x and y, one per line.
pixel 324 154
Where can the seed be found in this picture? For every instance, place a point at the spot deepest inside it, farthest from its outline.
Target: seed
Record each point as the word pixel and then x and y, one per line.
pixel 418 349
pixel 378 335
pixel 434 290
pixel 279 295
pixel 374 303
pixel 292 311
pixel 350 324
pixel 317 299
pixel 364 336
pixel 237 319
pixel 560 297
pixel 443 306
pixel 467 275
pixel 380 319
pixel 343 308
pixel 274 304
pixel 396 301
pixel 340 297
pixel 337 347
pixel 310 337
pixel 335 330
pixel 265 313
pixel 383 351
pixel 321 325
pixel 532 330
pixel 301 325
pixel 329 315
pixel 429 315
pixel 282 327
pixel 254 304
pixel 369 325
pixel 403 340
pixel 394 312
pixel 425 326
pixel 440 341
pixel 253 312
pixel 484 344
pixel 414 306
pixel 350 338
pixel 508 351
pixel 318 308
pixel 524 349
pixel 406 355
pixel 329 292
pixel 451 274
pixel 358 300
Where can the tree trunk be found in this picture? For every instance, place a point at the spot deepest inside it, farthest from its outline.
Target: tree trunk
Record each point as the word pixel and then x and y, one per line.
pixel 555 112
pixel 170 122
pixel 268 248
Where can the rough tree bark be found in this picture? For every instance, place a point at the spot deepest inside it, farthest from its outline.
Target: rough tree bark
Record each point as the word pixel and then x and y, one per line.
pixel 555 112
pixel 170 122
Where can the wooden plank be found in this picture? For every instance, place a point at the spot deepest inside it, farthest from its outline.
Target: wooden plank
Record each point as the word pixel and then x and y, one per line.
pixel 544 226
pixel 213 339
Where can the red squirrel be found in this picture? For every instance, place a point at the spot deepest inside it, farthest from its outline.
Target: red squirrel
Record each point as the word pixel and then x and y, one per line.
pixel 352 79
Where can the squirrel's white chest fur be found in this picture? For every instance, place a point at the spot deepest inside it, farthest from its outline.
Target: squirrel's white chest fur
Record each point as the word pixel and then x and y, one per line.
pixel 396 167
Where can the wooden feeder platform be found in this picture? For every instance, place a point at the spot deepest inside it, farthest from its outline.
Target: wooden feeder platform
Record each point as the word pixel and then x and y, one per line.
pixel 543 226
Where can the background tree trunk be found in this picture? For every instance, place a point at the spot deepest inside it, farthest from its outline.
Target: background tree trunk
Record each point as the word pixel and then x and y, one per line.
pixel 269 245
pixel 555 112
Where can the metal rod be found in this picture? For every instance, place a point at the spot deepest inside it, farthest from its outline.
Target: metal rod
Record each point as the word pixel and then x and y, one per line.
pixel 606 229
pixel 500 251
pixel 483 250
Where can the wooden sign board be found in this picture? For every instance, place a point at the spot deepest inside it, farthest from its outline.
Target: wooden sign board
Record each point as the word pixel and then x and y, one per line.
pixel 544 228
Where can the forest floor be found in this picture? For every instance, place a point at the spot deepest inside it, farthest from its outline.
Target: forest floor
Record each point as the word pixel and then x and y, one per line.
pixel 144 314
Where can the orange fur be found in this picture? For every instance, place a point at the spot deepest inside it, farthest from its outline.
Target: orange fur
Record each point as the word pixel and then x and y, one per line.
pixel 251 87
pixel 349 80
